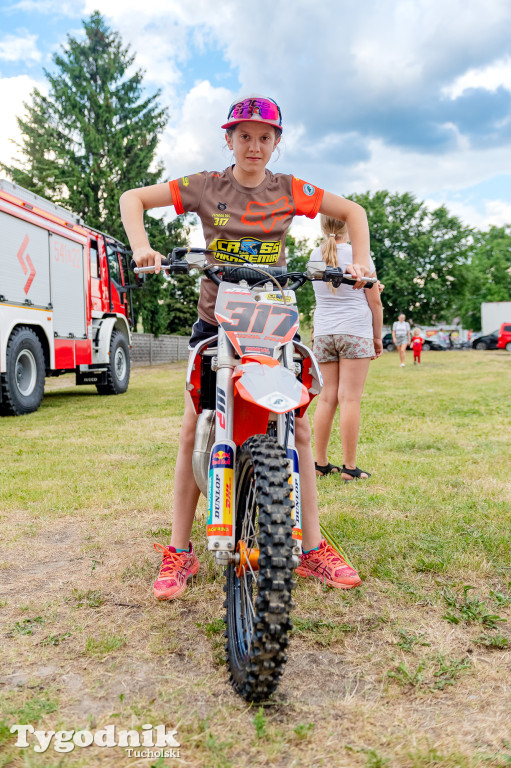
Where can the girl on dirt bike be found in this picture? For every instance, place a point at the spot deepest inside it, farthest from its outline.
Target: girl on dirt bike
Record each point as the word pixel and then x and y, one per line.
pixel 244 210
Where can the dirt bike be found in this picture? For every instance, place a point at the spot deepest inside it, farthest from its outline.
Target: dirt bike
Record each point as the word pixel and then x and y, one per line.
pixel 248 384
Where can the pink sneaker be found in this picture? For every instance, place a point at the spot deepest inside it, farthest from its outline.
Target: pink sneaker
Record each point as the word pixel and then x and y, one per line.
pixel 175 569
pixel 329 566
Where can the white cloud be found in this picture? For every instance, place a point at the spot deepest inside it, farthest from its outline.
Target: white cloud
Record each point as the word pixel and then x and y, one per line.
pixel 362 87
pixel 397 169
pixel 56 7
pixel 490 78
pixel 489 213
pixel 193 140
pixel 22 48
pixel 13 92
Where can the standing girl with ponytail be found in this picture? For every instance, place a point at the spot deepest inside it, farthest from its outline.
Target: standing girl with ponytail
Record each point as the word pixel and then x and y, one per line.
pixel 347 336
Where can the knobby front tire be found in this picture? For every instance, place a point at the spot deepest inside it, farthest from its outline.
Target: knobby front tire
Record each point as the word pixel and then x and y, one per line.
pixel 258 602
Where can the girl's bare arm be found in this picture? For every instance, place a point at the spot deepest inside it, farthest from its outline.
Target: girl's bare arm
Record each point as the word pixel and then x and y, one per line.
pixel 356 219
pixel 133 203
pixel 373 297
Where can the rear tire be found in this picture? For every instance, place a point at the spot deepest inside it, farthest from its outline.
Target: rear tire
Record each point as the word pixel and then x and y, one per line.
pixel 258 602
pixel 508 346
pixel 23 381
pixel 118 372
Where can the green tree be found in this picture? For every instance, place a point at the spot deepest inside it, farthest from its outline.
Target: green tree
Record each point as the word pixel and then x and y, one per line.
pixel 95 134
pixel 167 306
pixel 488 274
pixel 420 256
pixel 298 252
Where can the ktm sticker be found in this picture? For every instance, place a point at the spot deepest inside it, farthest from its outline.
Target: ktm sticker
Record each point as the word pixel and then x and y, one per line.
pixel 221 219
pixel 256 251
pixel 219 530
pixel 266 215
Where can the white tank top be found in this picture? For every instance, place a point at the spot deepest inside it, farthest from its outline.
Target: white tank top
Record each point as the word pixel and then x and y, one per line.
pixel 346 310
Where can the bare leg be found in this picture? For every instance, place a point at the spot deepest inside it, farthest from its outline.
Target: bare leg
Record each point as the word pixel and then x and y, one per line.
pixel 352 376
pixel 325 411
pixel 186 491
pixel 402 349
pixel 309 497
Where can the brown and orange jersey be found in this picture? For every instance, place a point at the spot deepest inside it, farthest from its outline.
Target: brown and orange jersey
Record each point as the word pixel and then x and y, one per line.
pixel 250 222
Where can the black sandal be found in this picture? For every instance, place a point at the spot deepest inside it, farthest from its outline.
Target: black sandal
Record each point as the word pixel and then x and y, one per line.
pixel 356 474
pixel 327 469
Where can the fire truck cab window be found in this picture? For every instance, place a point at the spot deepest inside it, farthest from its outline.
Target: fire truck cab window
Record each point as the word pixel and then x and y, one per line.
pixel 113 264
pixel 94 259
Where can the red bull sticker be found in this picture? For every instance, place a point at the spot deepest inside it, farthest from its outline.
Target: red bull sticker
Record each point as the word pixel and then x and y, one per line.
pixel 222 458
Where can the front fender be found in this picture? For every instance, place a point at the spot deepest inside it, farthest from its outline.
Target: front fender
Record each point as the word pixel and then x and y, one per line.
pixel 269 386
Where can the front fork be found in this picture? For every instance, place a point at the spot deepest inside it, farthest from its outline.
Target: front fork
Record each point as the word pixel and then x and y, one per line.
pixel 221 479
pixel 286 428
pixel 221 488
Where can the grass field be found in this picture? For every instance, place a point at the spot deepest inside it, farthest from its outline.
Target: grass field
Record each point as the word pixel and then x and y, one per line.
pixel 412 670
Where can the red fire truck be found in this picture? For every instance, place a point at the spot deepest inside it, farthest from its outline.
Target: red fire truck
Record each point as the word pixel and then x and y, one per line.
pixel 65 302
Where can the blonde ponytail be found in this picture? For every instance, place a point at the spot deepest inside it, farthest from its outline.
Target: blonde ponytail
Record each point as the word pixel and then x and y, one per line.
pixel 332 228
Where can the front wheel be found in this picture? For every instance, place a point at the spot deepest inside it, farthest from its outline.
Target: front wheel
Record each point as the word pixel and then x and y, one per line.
pixel 508 346
pixel 118 372
pixel 258 588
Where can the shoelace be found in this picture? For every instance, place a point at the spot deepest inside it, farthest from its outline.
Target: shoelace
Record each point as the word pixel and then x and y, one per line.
pixel 332 557
pixel 169 558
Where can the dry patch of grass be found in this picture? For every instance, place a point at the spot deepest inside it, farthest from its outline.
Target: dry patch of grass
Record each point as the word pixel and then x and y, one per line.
pixel 410 670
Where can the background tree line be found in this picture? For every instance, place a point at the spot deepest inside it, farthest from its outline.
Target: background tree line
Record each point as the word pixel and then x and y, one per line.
pixel 96 135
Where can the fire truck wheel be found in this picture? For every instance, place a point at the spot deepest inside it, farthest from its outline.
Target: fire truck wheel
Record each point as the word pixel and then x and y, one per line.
pixel 118 372
pixel 23 381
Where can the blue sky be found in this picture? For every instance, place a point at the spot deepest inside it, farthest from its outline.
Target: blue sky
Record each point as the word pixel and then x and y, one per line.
pixel 404 95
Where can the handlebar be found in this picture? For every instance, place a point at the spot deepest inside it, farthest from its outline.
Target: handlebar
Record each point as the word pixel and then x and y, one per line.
pixel 254 275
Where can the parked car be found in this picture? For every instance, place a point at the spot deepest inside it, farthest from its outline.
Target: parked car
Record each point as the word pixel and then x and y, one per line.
pixel 388 342
pixel 488 341
pixel 504 341
pixel 427 344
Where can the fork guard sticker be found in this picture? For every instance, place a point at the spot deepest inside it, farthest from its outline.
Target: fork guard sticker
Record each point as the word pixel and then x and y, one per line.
pixel 294 481
pixel 220 490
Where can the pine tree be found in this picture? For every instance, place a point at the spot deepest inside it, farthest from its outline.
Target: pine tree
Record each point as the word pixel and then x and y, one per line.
pixel 95 134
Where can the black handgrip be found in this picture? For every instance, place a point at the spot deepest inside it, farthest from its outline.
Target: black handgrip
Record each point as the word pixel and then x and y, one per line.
pixel 337 277
pixel 349 281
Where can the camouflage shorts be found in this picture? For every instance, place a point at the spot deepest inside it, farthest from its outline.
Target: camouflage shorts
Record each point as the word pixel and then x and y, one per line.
pixel 339 346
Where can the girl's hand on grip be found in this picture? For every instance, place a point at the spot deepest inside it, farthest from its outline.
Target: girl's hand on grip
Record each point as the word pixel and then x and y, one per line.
pixel 358 270
pixel 147 257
